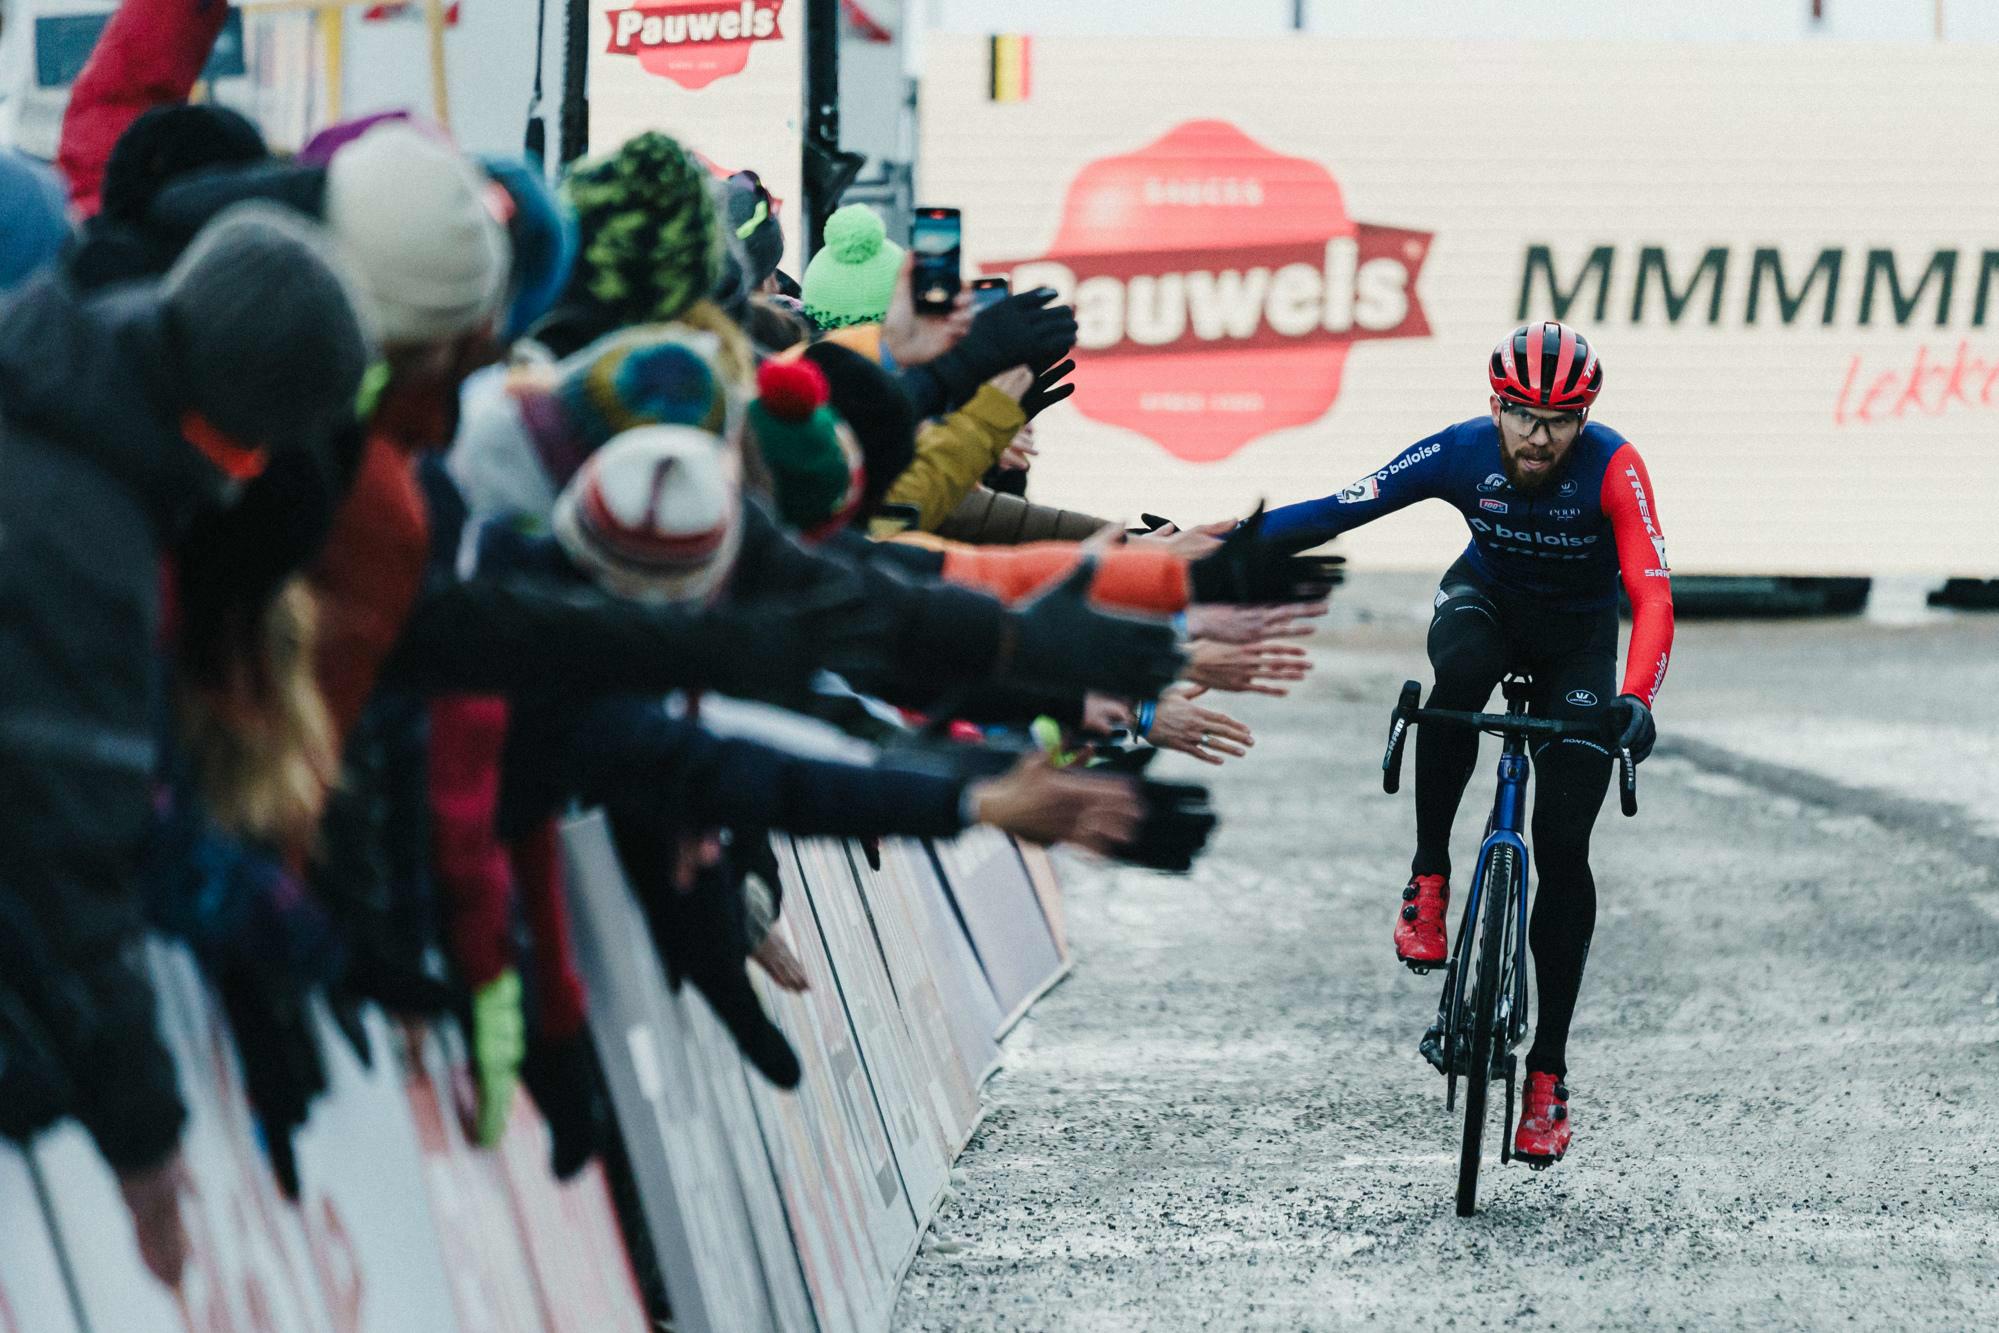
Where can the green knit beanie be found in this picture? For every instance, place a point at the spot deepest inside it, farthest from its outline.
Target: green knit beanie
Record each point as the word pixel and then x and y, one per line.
pixel 651 246
pixel 815 474
pixel 851 280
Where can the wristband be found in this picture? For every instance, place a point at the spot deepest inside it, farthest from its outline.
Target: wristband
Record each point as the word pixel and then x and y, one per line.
pixel 1146 712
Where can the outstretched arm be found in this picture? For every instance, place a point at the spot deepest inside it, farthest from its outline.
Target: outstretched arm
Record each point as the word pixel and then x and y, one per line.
pixel 1416 474
pixel 1632 507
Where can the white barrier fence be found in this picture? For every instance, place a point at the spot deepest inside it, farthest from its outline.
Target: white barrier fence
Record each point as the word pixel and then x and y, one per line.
pixel 765 1209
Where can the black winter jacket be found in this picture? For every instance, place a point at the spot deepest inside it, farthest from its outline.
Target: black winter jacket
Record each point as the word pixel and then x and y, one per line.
pixel 94 481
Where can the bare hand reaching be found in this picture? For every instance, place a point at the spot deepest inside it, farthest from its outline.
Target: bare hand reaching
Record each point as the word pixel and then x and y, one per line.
pixel 1037 802
pixel 1253 622
pixel 1246 668
pixel 1183 725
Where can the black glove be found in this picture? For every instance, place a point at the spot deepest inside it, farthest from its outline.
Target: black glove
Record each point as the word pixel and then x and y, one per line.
pixel 1178 820
pixel 1631 726
pixel 1244 568
pixel 35 1090
pixel 1023 330
pixel 1062 642
pixel 701 936
pixel 1049 388
pixel 563 1079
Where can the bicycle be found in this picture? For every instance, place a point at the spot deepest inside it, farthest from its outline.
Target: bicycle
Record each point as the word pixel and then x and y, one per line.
pixel 1484 1023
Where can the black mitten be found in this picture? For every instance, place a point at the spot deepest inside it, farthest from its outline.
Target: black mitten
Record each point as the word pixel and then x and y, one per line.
pixel 567 1087
pixel 1178 821
pixel 1063 641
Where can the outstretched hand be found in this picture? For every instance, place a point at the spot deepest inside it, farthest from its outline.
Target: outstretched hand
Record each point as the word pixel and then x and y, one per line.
pixel 1250 668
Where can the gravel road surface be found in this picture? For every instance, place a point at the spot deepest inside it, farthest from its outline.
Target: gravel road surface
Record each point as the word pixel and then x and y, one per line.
pixel 1785 1065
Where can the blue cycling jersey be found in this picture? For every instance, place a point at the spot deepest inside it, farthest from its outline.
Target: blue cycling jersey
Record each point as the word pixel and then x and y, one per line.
pixel 1559 545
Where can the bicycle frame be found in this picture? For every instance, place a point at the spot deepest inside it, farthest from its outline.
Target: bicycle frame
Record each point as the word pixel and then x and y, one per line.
pixel 1505 827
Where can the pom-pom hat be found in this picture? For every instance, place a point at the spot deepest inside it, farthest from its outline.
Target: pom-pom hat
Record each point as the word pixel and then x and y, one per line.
pixel 655 515
pixel 815 464
pixel 852 279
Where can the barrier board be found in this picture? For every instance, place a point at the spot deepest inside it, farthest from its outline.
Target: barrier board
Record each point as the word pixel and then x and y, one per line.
pixel 1292 258
pixel 989 886
pixel 33 1296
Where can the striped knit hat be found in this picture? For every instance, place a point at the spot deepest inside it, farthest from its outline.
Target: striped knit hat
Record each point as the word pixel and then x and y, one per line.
pixel 651 243
pixel 655 515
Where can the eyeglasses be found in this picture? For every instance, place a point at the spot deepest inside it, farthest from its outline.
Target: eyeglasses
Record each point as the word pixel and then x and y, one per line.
pixel 1559 428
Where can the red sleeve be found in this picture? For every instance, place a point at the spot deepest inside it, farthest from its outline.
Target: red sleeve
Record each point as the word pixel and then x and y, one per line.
pixel 474 877
pixel 150 54
pixel 1629 503
pixel 557 987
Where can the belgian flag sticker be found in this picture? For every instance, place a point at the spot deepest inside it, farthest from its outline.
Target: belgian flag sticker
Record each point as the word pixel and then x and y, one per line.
pixel 1012 58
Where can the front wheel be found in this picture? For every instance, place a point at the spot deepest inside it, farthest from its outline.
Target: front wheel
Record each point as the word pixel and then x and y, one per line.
pixel 1500 877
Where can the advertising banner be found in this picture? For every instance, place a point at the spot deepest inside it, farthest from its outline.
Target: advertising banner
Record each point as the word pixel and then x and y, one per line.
pixel 918 1134
pixel 950 1057
pixel 989 887
pixel 725 77
pixel 1292 257
pixel 676 1140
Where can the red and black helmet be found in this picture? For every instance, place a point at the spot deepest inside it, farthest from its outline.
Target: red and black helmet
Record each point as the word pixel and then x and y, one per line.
pixel 1546 365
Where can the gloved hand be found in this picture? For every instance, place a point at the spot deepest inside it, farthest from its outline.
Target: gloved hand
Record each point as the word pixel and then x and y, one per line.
pixel 499 1045
pixel 35 1090
pixel 1178 820
pixel 1022 330
pixel 1244 568
pixel 1062 642
pixel 561 1075
pixel 1631 726
pixel 1050 387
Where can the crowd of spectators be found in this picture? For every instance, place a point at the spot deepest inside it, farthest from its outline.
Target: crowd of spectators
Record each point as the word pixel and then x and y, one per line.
pixel 366 510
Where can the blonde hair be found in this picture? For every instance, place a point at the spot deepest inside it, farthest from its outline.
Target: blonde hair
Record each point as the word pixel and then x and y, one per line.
pixel 260 737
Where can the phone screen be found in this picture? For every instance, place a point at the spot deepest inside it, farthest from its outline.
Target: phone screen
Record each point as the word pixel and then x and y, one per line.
pixel 935 241
pixel 988 291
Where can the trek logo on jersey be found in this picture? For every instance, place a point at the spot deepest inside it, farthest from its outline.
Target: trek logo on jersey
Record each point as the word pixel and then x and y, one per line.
pixel 1496 506
pixel 1496 481
pixel 1652 533
pixel 1219 286
pixel 1367 488
pixel 693 42
pixel 1582 698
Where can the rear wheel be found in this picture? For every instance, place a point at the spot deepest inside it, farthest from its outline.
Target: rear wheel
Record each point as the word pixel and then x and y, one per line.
pixel 1501 872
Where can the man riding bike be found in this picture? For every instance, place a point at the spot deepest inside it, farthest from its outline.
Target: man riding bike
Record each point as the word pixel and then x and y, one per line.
pixel 1560 509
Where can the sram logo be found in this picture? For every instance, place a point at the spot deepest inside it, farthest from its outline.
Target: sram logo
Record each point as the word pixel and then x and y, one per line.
pixel 693 42
pixel 1218 288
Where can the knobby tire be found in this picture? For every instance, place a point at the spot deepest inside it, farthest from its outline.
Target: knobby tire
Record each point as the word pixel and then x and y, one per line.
pixel 1498 891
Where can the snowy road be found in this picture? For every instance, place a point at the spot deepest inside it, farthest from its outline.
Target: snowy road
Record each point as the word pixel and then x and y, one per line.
pixel 1785 1064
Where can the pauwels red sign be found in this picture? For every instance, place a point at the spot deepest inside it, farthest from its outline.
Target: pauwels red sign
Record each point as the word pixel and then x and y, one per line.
pixel 693 42
pixel 1219 286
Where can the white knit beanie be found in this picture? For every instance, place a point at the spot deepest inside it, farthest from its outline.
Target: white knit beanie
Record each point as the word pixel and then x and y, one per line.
pixel 655 515
pixel 410 212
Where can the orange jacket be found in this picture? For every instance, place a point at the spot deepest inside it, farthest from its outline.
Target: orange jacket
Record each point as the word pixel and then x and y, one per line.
pixel 1128 579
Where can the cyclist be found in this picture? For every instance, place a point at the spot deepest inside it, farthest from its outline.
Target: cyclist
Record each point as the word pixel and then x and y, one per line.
pixel 1560 509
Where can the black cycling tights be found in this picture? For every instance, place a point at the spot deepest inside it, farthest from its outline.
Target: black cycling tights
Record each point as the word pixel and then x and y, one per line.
pixel 1476 637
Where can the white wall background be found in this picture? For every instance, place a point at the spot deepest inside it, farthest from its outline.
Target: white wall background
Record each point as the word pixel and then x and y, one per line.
pixel 1679 20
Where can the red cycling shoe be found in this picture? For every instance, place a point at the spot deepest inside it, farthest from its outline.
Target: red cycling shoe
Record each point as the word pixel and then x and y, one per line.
pixel 1420 933
pixel 1544 1130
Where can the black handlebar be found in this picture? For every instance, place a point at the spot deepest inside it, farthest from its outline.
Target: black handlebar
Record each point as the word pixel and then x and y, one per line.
pixel 1407 713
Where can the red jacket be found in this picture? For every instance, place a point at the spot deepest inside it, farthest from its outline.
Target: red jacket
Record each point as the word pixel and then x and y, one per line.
pixel 150 54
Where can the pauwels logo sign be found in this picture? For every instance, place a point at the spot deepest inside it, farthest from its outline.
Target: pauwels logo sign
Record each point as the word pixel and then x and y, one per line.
pixel 1219 286
pixel 693 42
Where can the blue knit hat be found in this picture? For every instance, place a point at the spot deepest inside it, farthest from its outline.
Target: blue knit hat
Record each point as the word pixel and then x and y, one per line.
pixel 852 279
